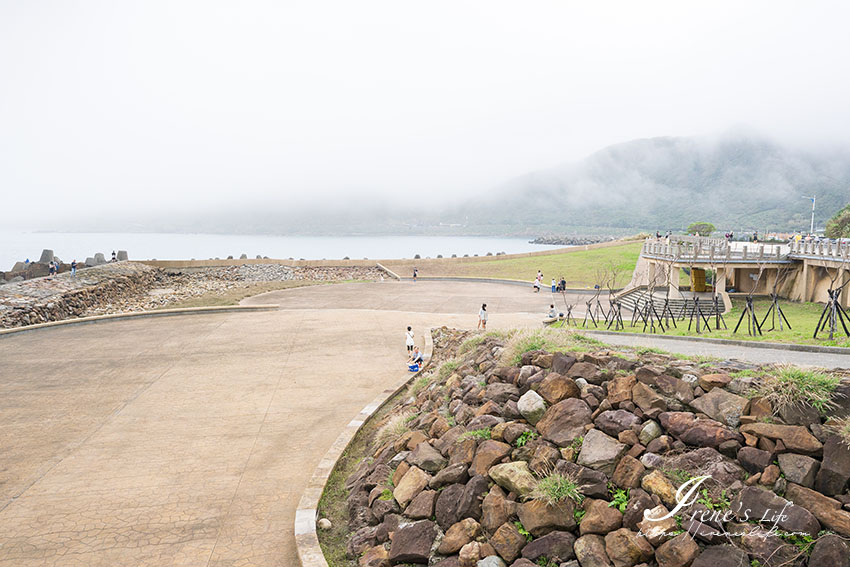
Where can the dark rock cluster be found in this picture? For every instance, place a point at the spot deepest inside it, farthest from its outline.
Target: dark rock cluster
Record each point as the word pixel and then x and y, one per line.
pixel 464 483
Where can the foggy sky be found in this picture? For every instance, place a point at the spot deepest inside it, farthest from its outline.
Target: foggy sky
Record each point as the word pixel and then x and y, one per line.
pixel 139 106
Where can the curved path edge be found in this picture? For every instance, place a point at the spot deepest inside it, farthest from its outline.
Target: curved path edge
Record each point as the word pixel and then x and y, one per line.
pixel 139 314
pixel 306 539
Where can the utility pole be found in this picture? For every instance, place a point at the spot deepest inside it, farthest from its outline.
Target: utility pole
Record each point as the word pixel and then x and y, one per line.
pixel 813 198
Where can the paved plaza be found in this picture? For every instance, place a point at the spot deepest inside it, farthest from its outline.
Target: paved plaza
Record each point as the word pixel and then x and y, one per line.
pixel 187 440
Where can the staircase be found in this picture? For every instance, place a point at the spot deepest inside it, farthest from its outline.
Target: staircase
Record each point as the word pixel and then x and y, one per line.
pixel 636 298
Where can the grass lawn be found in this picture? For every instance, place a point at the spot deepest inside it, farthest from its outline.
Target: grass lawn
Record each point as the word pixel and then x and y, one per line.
pixel 802 316
pixel 581 268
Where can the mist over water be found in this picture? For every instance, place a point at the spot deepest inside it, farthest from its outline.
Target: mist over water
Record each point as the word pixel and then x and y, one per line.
pixel 17 246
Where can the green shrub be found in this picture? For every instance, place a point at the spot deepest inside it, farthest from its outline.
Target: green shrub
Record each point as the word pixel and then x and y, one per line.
pixel 522 531
pixel 619 500
pixel 526 437
pixel 475 434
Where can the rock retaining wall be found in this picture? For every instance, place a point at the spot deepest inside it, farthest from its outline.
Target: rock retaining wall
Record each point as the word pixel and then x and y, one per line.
pixel 557 460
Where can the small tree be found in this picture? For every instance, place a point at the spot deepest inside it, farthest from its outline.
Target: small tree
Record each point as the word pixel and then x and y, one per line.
pixel 701 228
pixel 839 225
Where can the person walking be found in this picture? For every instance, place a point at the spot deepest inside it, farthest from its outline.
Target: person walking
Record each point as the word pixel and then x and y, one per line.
pixel 408 339
pixel 74 268
pixel 482 317
pixel 415 273
pixel 554 285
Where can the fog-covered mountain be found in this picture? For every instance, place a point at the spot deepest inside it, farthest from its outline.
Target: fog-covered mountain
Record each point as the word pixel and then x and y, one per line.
pixel 735 181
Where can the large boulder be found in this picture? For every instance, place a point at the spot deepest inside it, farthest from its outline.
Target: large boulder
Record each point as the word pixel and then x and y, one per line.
pixel 531 406
pixel 459 535
pixel 830 550
pixel 626 548
pixel 412 543
pixel 445 510
pixel 722 406
pixel 599 518
pixel 827 510
pixel 698 432
pixel 565 421
pixel 540 518
pixel 707 461
pixel 469 505
pixel 647 399
pixel 614 422
pixel 754 503
pixel 557 547
pixel 515 477
pixel 674 388
pixel 796 439
pixel 501 392
pixel 722 556
pixel 799 469
pixel 426 458
pixel 601 452
pixel 561 363
pixel 495 509
pixel 710 381
pixel 678 552
pixel 555 388
pixel 754 460
pixel 413 482
pixel 507 541
pixel 586 371
pixel 620 389
pixel 122 255
pixel 835 467
pixel 488 454
pixel 590 551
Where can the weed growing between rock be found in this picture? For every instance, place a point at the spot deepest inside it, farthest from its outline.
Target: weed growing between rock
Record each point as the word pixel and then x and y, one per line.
pixel 791 387
pixel 557 487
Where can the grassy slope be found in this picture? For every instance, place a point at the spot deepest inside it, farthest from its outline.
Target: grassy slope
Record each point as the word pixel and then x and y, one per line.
pixel 578 266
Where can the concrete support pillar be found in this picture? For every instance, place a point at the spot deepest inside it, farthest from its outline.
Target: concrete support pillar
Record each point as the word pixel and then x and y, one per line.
pixel 674 278
pixel 805 281
pixel 721 279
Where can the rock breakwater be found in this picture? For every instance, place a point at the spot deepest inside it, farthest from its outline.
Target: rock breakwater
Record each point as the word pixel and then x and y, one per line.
pixel 124 287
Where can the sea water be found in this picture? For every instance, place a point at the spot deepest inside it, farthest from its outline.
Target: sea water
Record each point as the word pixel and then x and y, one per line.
pixel 17 246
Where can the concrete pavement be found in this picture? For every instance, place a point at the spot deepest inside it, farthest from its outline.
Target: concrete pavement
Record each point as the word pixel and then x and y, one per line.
pixel 187 440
